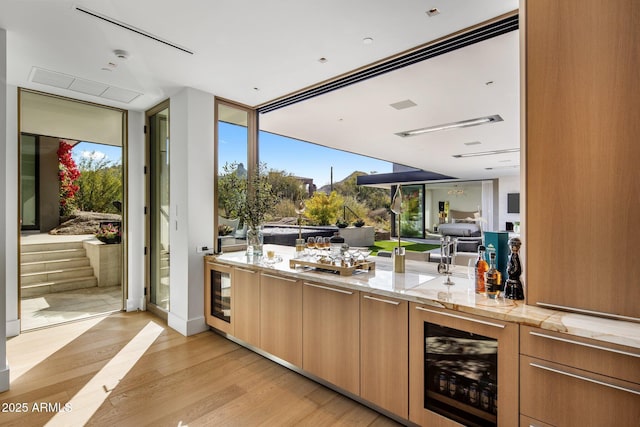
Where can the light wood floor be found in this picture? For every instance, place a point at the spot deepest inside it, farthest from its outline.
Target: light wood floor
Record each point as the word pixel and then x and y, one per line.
pixel 130 369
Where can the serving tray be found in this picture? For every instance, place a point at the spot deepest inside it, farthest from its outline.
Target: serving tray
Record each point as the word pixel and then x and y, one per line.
pixel 343 271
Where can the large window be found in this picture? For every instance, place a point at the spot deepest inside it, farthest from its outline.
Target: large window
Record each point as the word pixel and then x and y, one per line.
pixel 234 154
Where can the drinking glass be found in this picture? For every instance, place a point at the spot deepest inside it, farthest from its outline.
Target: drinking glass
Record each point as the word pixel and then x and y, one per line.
pixel 311 244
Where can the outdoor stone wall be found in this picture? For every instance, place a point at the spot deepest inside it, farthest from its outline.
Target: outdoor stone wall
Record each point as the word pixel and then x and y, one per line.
pixel 358 236
pixel 106 261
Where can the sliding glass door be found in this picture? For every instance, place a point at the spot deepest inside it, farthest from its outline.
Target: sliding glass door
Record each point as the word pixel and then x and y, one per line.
pixel 159 244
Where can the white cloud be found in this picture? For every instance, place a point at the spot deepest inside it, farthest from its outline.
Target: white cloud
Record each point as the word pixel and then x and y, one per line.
pixel 95 155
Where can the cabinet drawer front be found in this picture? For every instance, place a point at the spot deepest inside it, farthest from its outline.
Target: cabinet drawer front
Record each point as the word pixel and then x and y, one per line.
pixel 564 396
pixel 582 353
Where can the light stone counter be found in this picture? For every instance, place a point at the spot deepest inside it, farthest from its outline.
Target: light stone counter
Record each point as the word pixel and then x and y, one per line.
pixel 422 284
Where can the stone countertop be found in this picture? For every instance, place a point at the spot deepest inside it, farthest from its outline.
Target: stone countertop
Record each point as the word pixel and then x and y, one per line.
pixel 422 284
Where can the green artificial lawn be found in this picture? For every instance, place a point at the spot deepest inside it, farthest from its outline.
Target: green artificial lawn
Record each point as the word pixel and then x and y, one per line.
pixel 388 245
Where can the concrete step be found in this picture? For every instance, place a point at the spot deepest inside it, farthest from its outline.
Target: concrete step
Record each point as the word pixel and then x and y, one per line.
pixel 55 275
pixel 37 289
pixel 58 264
pixel 51 246
pixel 58 254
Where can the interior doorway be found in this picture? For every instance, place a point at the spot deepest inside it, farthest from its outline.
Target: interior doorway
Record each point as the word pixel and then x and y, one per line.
pixel 72 213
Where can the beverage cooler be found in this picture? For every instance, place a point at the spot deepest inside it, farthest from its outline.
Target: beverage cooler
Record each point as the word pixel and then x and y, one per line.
pixel 463 369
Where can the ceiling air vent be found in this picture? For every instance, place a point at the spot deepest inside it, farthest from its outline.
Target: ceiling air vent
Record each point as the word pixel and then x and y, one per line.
pixel 77 84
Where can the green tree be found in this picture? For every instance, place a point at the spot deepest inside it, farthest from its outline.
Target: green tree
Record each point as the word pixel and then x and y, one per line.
pixel 286 186
pixel 324 209
pixel 100 184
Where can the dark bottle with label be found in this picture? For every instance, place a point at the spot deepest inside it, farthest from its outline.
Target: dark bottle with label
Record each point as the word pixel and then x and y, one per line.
pixel 493 278
pixel 481 268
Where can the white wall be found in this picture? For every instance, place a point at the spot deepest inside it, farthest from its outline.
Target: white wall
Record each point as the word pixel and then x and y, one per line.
pixel 135 212
pixel 191 131
pixel 507 184
pixel 4 366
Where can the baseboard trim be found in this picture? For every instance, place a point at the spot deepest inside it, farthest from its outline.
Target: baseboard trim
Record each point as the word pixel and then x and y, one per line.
pixel 187 327
pixel 4 378
pixel 13 328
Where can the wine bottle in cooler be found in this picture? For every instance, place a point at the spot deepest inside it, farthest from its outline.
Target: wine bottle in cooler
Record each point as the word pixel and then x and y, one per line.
pixel 481 268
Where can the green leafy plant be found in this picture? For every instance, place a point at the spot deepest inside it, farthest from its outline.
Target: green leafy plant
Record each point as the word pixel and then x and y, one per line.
pixel 359 222
pixel 248 198
pixel 341 223
pixel 323 208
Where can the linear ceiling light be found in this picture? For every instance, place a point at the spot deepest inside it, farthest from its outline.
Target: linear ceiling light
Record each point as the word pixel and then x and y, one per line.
pixel 131 28
pixel 454 125
pixel 487 153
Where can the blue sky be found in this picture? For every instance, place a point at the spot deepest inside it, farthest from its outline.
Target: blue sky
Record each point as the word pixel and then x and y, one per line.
pixel 99 151
pixel 280 153
pixel 297 157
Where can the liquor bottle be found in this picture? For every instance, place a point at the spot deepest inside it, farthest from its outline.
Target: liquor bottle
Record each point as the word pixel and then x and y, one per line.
pixel 493 278
pixel 481 267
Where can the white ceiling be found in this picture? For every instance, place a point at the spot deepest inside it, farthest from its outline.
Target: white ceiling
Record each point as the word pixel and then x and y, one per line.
pixel 254 51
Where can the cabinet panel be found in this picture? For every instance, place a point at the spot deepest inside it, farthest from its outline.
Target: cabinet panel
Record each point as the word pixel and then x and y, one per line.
pixel 246 305
pixel 218 296
pixel 582 353
pixel 281 317
pixel 331 334
pixel 384 352
pixel 564 396
pixel 582 154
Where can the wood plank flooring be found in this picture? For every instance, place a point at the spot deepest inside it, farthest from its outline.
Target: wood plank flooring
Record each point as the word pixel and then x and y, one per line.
pixel 130 369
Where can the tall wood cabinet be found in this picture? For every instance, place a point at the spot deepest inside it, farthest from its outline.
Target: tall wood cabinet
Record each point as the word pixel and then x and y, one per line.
pixel 331 334
pixel 281 317
pixel 582 122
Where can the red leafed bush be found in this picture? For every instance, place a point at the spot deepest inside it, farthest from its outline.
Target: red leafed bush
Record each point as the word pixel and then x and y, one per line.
pixel 68 173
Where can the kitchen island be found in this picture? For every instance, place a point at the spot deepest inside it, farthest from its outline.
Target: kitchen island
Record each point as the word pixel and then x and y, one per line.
pixel 363 335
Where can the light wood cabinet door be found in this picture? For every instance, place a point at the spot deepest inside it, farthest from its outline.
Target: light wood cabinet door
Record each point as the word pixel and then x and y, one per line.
pixel 564 396
pixel 281 317
pixel 582 154
pixel 331 334
pixel 246 305
pixel 218 296
pixel 384 352
pixel 572 381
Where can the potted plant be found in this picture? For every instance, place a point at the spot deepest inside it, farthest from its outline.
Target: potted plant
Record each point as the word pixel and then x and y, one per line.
pixel 342 223
pixel 248 198
pixel 359 222
pixel 109 234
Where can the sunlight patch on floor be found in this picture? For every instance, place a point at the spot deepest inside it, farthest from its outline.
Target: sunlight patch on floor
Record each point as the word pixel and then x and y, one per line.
pixel 48 344
pixel 87 401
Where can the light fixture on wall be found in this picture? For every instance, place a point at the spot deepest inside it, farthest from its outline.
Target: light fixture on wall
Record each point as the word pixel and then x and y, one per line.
pixel 456 191
pixel 461 124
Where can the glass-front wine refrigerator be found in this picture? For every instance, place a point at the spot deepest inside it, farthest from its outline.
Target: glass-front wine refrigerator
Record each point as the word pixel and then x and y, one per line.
pixel 218 290
pixel 463 369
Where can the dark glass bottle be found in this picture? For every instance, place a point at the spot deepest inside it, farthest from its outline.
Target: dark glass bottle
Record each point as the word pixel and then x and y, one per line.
pixel 493 278
pixel 481 268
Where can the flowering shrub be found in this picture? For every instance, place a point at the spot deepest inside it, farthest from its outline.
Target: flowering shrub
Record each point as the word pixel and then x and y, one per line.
pixel 68 173
pixel 109 234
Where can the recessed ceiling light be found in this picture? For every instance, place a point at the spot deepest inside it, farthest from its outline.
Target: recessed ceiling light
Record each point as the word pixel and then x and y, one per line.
pixel 257 89
pixel 367 40
pixel 454 125
pixel 489 83
pixel 486 153
pixel 433 12
pixel 121 54
pixel 473 143
pixel 322 60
